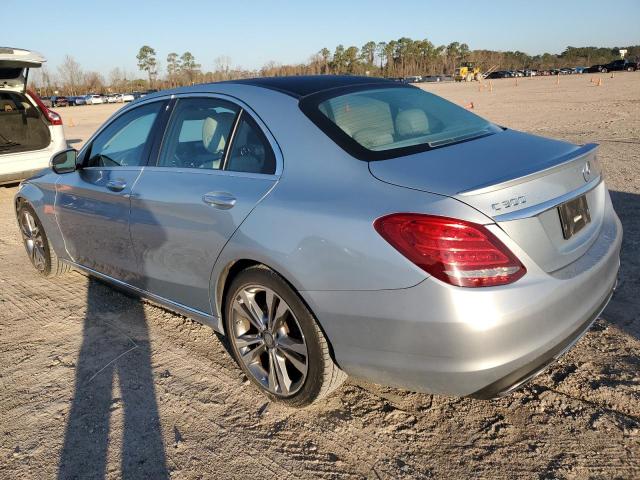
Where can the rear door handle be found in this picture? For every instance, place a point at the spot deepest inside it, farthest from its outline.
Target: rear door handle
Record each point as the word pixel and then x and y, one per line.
pixel 116 185
pixel 221 200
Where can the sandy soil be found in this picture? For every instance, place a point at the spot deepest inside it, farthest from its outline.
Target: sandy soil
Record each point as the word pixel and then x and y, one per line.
pixel 96 384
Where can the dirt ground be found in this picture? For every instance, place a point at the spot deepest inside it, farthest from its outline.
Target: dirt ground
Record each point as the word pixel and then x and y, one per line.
pixel 95 384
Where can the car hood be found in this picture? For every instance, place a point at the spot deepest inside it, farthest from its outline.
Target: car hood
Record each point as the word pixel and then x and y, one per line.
pixel 13 65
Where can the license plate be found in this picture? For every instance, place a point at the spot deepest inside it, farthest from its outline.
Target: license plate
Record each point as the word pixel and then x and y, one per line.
pixel 574 215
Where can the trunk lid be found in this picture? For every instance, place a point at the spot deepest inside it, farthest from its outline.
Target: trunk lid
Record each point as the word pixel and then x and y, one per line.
pixel 516 179
pixel 14 67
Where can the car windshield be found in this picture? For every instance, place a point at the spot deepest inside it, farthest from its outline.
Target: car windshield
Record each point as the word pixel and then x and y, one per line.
pixel 394 120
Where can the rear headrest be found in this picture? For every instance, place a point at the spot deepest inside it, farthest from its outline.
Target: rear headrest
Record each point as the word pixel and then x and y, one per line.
pixel 412 122
pixel 352 114
pixel 373 137
pixel 215 130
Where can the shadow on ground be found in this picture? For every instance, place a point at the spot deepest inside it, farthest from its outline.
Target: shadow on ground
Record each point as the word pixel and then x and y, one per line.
pixel 624 309
pixel 113 371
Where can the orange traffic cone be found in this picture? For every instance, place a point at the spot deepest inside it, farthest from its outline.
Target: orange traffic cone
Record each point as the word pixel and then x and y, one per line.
pixel 469 106
pixel 599 84
pixel 490 86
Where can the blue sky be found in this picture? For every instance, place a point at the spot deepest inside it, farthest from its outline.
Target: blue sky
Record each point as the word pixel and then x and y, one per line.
pixel 106 34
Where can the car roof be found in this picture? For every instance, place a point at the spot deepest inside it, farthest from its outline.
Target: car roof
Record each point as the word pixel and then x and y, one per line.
pixel 303 85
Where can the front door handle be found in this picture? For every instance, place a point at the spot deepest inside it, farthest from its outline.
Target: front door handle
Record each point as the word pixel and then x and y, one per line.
pixel 221 200
pixel 116 185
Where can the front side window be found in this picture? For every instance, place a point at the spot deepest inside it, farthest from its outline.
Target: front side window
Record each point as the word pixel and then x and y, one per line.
pixel 123 143
pixel 380 123
pixel 198 133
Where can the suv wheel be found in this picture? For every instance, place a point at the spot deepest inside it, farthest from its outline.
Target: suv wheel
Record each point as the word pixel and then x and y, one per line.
pixel 276 340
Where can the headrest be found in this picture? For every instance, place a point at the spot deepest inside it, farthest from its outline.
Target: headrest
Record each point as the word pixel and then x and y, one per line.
pixel 372 137
pixel 215 130
pixel 412 122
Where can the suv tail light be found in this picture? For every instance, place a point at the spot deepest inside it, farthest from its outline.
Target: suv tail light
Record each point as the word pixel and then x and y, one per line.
pixel 50 115
pixel 53 117
pixel 457 252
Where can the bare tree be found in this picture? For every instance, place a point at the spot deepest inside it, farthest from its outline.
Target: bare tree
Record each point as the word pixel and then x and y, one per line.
pixel 94 82
pixel 71 75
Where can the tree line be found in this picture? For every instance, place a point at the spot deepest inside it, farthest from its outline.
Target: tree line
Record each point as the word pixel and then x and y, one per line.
pixel 395 58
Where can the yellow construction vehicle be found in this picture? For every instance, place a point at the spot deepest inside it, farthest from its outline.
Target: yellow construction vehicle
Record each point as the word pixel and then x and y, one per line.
pixel 467 72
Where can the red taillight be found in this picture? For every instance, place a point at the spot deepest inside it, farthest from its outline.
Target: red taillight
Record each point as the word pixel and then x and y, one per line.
pixel 457 252
pixel 52 117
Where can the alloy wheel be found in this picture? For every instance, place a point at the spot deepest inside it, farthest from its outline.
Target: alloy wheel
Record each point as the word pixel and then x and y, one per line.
pixel 269 340
pixel 33 240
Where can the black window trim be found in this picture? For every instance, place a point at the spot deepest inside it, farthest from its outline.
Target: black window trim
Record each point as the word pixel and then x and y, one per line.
pixel 309 106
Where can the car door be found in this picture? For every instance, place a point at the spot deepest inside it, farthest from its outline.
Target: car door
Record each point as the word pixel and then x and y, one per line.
pixel 93 203
pixel 214 166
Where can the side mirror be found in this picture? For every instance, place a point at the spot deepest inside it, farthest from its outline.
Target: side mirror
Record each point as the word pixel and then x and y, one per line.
pixel 64 161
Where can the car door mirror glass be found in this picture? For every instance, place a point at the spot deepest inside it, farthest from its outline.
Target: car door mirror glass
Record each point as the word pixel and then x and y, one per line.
pixel 64 161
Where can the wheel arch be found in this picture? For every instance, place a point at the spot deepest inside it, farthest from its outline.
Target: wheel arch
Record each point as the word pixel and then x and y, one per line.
pixel 226 277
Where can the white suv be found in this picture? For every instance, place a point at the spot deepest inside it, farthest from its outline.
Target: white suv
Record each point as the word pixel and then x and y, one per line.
pixel 30 133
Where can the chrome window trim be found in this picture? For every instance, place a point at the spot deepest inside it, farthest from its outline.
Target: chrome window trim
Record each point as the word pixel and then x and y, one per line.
pixel 211 171
pixel 534 210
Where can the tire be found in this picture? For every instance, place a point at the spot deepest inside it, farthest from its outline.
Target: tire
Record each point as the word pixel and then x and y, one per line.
pixel 286 329
pixel 604 70
pixel 41 254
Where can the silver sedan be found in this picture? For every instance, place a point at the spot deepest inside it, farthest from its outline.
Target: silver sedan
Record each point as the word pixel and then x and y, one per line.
pixel 338 225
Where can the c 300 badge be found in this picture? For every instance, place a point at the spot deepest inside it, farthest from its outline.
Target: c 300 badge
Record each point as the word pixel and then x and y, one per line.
pixel 510 203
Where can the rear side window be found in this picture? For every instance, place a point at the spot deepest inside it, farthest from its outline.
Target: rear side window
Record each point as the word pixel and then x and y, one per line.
pixel 379 123
pixel 250 151
pixel 198 134
pixel 214 134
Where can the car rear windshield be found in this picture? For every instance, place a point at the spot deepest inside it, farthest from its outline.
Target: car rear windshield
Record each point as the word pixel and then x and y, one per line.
pixel 378 123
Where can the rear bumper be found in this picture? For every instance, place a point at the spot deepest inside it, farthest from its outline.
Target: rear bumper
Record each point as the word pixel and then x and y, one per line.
pixel 14 177
pixel 522 375
pixel 470 342
pixel 18 166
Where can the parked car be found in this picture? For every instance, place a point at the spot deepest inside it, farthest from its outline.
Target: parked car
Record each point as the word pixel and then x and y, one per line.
pixel 81 100
pixel 499 74
pixel 126 97
pixel 594 69
pixel 58 101
pixel 565 71
pixel 579 69
pixel 112 98
pixel 619 65
pixel 46 101
pixel 334 225
pixel 29 131
pixel 93 99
